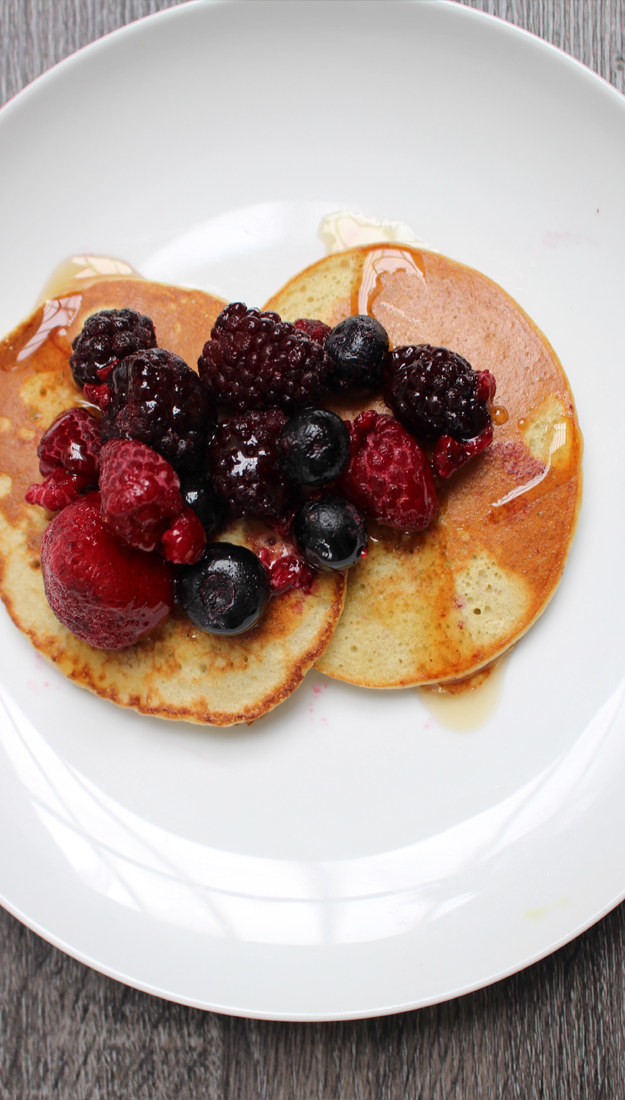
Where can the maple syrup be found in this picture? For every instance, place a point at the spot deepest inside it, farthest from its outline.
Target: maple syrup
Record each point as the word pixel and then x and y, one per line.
pixel 75 272
pixel 466 704
pixel 379 263
pixel 556 470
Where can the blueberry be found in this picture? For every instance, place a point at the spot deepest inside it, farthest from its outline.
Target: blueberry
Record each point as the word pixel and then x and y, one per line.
pixel 357 347
pixel 314 446
pixel 226 591
pixel 330 532
pixel 197 491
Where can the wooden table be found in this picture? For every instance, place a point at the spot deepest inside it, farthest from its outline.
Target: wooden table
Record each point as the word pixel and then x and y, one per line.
pixel 555 1030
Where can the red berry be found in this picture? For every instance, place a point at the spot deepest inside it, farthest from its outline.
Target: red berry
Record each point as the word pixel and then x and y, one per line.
pixel 98 393
pixel 286 570
pixel 184 541
pixel 449 455
pixel 105 593
pixel 72 441
pixel 140 493
pixel 58 490
pixel 388 476
pixel 317 330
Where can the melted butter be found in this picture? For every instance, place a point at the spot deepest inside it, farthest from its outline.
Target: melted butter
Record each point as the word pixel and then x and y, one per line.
pixel 555 471
pixel 74 273
pixel 466 704
pixel 349 229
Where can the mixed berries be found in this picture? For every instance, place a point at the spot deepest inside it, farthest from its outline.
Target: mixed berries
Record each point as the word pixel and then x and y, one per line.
pixel 144 482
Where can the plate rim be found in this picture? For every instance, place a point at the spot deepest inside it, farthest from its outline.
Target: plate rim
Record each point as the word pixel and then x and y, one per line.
pixel 176 12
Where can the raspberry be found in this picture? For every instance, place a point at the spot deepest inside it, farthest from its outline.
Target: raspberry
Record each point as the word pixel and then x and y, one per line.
pixel 105 593
pixel 434 392
pixel 58 490
pixel 245 464
pixel 388 476
pixel 157 399
pixel 107 337
pixel 449 455
pixel 184 541
pixel 288 571
pixel 72 442
pixel 98 393
pixel 256 361
pixel 140 493
pixel 317 330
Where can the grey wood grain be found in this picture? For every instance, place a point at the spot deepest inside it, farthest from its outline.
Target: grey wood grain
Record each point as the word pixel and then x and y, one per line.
pixel 556 1030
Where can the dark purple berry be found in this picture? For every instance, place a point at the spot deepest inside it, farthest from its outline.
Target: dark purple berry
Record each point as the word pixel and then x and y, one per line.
pixel 107 337
pixel 197 491
pixel 357 347
pixel 245 465
pixel 314 446
pixel 434 391
pixel 330 533
pixel 157 399
pixel 226 591
pixel 256 361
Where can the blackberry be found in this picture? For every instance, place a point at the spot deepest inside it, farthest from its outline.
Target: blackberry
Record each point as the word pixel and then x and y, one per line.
pixel 314 446
pixel 226 591
pixel 330 532
pixel 156 398
pixel 434 391
pixel 256 361
pixel 107 337
pixel 357 347
pixel 244 461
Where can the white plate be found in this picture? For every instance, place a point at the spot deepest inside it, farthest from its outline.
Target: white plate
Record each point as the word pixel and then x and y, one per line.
pixel 347 855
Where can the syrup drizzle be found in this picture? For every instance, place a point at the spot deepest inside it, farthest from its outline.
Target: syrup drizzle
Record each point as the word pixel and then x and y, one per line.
pixel 379 263
pixel 75 272
pixel 552 474
pixel 58 314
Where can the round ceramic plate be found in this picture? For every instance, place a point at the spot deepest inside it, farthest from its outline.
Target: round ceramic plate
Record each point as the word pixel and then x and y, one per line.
pixel 349 854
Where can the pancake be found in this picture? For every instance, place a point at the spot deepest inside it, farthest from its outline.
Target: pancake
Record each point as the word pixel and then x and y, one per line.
pixel 177 671
pixel 438 606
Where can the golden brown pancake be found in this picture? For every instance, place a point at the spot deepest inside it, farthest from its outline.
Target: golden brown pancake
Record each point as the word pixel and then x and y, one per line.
pixel 177 671
pixel 438 606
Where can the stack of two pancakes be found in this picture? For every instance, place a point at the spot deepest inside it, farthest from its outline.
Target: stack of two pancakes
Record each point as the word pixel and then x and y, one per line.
pixel 419 609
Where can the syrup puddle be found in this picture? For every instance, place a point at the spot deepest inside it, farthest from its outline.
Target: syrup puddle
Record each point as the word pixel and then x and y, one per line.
pixel 467 705
pixel 73 273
